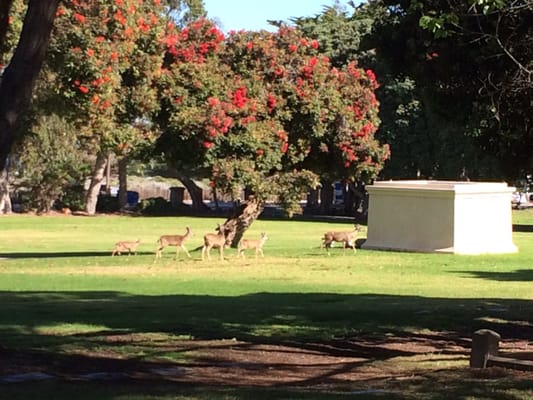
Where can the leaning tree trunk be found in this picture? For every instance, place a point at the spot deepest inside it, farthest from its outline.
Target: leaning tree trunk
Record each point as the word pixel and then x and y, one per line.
pixel 123 183
pixel 195 192
pixel 96 183
pixel 241 220
pixel 20 74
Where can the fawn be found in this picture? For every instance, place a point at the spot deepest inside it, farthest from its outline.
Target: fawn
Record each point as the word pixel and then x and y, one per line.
pixel 216 240
pixel 346 238
pixel 252 244
pixel 130 247
pixel 173 240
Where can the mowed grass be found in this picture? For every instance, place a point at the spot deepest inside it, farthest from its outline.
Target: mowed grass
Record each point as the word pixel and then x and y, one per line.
pixel 61 292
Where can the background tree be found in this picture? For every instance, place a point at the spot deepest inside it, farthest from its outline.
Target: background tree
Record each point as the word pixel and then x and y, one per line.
pixel 50 162
pixel 494 68
pixel 426 118
pixel 106 56
pixel 471 64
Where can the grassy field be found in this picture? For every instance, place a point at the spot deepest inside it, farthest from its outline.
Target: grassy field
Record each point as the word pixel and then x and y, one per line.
pixel 63 295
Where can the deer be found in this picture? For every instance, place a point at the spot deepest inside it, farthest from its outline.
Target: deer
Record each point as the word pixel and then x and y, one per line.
pixel 252 244
pixel 216 240
pixel 174 240
pixel 347 238
pixel 129 246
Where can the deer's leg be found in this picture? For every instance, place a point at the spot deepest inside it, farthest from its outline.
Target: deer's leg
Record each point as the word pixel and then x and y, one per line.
pixel 185 250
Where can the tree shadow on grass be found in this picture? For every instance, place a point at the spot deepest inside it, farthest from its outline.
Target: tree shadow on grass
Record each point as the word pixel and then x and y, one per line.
pixel 68 254
pixel 520 275
pixel 352 331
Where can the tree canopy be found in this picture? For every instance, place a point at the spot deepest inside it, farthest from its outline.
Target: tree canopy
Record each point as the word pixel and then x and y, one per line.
pixel 266 111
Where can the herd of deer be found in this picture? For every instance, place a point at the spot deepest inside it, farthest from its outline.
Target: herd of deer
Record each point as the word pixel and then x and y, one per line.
pixel 218 241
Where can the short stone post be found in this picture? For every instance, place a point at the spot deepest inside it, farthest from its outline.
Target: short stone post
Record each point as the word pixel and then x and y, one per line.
pixel 484 344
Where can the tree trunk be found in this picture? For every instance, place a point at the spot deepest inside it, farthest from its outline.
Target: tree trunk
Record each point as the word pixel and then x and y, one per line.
pixel 194 191
pixel 123 183
pixel 20 74
pixel 108 175
pixel 241 220
pixel 96 183
pixel 5 199
pixel 326 197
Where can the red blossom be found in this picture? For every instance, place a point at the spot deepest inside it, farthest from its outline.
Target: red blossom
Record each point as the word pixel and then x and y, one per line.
pixel 259 152
pixel 97 82
pixel 370 74
pixel 143 25
pixel 79 17
pixel 284 147
pixel 352 70
pixel 207 144
pixel 271 102
pixel 239 97
pixel 204 48
pixel 279 71
pixel 246 120
pixel 282 135
pixel 293 48
pixel 213 101
pixel 314 44
pixel 119 17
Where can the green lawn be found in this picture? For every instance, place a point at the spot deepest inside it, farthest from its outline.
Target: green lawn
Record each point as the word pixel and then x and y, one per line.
pixel 62 294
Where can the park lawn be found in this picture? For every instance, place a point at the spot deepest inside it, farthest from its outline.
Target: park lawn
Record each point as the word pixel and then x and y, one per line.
pixel 61 292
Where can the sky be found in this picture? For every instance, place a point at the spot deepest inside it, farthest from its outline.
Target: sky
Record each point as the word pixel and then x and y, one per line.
pixel 253 15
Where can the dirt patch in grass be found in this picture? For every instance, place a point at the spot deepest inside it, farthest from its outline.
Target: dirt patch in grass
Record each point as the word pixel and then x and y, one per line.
pixel 384 363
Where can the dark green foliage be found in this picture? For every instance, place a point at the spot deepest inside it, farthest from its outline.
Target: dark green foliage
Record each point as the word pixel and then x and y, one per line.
pixel 156 206
pixel 50 162
pixel 107 204
pixel 73 197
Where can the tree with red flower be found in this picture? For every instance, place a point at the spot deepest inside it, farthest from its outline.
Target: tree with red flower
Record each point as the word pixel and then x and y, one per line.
pixel 259 111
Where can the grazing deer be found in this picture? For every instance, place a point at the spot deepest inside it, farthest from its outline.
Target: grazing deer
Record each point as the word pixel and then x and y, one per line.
pixel 216 240
pixel 130 247
pixel 252 244
pixel 173 240
pixel 346 238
